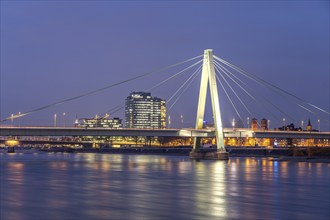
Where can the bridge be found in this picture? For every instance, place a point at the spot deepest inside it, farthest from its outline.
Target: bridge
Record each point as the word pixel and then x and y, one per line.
pixel 78 131
pixel 178 133
pixel 213 70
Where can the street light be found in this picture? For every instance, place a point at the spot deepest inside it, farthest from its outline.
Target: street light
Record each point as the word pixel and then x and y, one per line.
pixel 12 119
pixel 283 122
pixel 76 122
pixel 169 121
pixel 55 120
pixel 233 123
pixel 302 125
pixel 19 120
pixel 64 119
pixel 268 124
pixel 319 122
pixel 181 117
pixel 248 122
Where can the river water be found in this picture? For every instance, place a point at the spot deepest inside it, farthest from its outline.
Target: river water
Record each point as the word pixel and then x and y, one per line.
pixel 92 186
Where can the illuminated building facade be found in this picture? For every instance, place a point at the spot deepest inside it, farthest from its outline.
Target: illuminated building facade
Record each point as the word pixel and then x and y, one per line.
pixel 254 124
pixel 263 124
pixel 101 122
pixel 309 125
pixel 144 111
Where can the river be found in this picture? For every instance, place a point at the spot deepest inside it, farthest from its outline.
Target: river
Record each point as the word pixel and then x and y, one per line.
pixel 62 186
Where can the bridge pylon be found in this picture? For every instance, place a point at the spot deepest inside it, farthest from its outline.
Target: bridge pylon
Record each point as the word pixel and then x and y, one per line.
pixel 208 78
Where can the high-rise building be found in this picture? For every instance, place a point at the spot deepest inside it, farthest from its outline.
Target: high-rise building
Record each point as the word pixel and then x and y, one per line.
pixel 144 111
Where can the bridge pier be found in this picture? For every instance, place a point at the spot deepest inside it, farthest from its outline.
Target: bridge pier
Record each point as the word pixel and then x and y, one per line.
pixel 205 155
pixel 208 78
pixel 11 149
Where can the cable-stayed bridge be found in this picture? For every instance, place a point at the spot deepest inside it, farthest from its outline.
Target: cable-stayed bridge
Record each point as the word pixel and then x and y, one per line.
pixel 237 87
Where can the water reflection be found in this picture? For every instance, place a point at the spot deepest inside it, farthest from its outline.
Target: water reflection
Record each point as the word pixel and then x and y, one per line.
pixel 104 186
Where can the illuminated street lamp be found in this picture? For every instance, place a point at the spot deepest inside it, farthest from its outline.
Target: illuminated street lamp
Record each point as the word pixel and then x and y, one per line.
pixel 169 121
pixel 12 119
pixel 268 124
pixel 302 125
pixel 19 121
pixel 283 122
pixel 181 117
pixel 64 119
pixel 233 123
pixel 55 120
pixel 319 122
pixel 76 122
pixel 248 122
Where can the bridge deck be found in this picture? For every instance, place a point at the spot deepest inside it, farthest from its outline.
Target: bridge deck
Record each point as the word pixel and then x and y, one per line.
pixel 204 133
pixel 75 131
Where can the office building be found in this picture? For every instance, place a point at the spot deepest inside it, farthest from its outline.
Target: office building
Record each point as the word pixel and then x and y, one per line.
pixel 144 111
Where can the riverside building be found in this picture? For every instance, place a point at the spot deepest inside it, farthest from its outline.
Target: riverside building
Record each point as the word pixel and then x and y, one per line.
pixel 101 122
pixel 144 111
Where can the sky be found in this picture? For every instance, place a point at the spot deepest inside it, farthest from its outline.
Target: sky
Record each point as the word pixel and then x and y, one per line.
pixel 54 50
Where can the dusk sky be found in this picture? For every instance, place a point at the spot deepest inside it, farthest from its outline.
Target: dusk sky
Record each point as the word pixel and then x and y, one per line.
pixel 54 50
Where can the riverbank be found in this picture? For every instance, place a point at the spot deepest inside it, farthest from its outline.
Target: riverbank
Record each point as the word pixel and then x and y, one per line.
pixel 316 154
pixel 323 152
pixel 302 159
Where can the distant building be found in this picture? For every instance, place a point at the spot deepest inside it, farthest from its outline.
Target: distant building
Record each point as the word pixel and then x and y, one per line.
pixel 144 111
pixel 100 122
pixel 309 125
pixel 289 127
pixel 254 124
pixel 263 124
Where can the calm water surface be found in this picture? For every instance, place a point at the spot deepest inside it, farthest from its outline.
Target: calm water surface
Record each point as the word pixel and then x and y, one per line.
pixel 104 186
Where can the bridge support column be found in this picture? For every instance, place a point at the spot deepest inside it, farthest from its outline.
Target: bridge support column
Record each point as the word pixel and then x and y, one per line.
pixel 208 77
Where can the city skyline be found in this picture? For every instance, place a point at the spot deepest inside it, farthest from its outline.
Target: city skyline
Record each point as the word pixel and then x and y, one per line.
pixel 51 51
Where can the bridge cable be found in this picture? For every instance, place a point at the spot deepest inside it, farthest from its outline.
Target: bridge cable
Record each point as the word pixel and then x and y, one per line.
pixel 263 82
pixel 187 86
pixel 175 75
pixel 230 100
pixel 121 106
pixel 192 75
pixel 264 98
pixel 276 90
pixel 219 72
pixel 269 85
pixel 98 90
pixel 259 103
